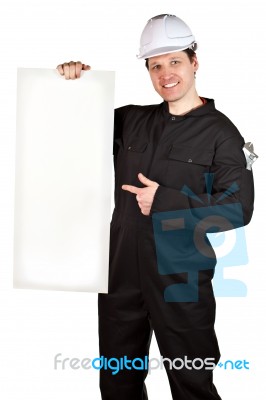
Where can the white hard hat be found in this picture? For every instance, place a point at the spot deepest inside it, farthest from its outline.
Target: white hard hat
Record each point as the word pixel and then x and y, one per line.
pixel 165 34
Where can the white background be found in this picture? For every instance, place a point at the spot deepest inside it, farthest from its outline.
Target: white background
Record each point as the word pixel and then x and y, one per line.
pixel 36 325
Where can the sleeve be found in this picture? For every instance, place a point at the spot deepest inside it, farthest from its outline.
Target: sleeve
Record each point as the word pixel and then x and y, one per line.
pixel 119 117
pixel 118 122
pixel 229 190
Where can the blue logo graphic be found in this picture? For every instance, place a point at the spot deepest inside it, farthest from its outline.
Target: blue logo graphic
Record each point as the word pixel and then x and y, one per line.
pixel 198 239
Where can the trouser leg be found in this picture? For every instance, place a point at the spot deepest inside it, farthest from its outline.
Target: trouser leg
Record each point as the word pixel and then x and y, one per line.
pixel 119 339
pixel 124 327
pixel 184 330
pixel 190 351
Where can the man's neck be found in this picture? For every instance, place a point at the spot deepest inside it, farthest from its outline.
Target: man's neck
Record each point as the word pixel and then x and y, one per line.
pixel 183 106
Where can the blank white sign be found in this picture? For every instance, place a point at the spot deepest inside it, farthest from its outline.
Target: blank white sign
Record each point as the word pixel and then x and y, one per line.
pixel 63 180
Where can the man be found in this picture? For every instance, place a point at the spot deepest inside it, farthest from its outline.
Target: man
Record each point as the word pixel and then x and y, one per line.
pixel 165 156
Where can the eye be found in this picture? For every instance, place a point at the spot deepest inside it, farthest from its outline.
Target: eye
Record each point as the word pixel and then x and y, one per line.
pixel 156 66
pixel 173 62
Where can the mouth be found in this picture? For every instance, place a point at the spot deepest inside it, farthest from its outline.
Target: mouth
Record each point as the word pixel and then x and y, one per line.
pixel 170 85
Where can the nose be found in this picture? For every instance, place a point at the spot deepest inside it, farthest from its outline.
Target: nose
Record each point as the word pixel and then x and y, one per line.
pixel 166 73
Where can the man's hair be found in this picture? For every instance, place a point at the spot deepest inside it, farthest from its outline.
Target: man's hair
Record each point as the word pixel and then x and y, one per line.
pixel 190 53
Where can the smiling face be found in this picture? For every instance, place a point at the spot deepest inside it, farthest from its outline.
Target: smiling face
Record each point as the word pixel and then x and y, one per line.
pixel 173 77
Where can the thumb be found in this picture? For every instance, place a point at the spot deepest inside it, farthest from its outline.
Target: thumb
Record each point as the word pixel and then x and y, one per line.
pixel 146 181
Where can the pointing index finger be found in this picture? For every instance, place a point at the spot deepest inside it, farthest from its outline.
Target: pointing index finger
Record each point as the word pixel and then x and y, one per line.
pixel 131 189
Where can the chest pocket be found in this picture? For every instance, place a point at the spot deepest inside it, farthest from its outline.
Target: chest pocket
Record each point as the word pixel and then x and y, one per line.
pixel 135 154
pixel 187 165
pixel 129 161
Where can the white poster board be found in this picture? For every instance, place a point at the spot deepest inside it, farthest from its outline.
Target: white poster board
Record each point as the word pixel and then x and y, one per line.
pixel 63 180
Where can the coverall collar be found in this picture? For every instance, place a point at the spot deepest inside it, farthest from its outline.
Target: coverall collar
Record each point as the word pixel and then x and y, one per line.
pixel 197 112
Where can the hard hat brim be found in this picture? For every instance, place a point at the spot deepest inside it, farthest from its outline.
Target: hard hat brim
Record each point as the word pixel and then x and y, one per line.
pixel 166 50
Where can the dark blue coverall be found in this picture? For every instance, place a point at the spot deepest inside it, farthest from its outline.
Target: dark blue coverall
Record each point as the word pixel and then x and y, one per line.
pixel 177 152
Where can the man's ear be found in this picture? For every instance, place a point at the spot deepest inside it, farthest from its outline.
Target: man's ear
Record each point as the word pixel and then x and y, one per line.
pixel 195 63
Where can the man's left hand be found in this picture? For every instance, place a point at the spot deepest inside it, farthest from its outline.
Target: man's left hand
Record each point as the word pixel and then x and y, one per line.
pixel 144 196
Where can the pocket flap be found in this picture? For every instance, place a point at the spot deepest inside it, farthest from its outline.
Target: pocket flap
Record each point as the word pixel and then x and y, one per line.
pixel 191 155
pixel 137 147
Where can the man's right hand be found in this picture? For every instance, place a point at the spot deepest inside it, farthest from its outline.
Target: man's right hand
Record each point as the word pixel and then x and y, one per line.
pixel 72 70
